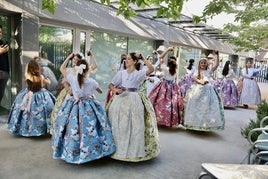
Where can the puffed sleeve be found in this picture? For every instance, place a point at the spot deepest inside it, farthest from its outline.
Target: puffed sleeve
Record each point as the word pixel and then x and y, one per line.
pixel 117 79
pixel 142 74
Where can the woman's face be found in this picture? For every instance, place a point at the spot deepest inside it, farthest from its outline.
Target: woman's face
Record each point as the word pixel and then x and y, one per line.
pixel 130 62
pixel 203 64
pixel 75 59
pixel 249 64
pixel 150 60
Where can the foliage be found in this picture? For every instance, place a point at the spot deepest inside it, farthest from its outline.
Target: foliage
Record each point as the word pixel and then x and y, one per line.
pixel 49 5
pixel 169 9
pixel 261 111
pixel 250 16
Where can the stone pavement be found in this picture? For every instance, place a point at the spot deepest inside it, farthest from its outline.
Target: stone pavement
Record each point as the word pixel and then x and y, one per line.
pixel 181 156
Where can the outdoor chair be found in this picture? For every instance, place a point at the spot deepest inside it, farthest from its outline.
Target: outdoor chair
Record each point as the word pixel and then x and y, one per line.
pixel 258 151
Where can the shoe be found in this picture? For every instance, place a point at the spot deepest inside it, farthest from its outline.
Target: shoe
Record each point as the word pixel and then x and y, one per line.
pixel 245 106
pixel 182 127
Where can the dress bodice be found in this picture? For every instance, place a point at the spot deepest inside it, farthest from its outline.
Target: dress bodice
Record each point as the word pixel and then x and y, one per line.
pixel 167 75
pixel 249 73
pixel 206 75
pixel 190 72
pixel 129 80
pixel 87 89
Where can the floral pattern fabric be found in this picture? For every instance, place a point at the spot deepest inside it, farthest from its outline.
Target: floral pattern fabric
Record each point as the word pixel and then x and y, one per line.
pixel 185 83
pixel 228 92
pixel 136 115
pixel 250 93
pixel 60 98
pixel 168 102
pixel 203 109
pixel 81 132
pixel 30 113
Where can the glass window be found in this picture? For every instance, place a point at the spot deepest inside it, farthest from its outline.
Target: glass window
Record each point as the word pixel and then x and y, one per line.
pixel 186 54
pixel 142 46
pixel 107 49
pixel 57 42
pixel 82 42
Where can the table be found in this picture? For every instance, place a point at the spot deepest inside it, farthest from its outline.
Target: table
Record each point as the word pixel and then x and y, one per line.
pixel 234 171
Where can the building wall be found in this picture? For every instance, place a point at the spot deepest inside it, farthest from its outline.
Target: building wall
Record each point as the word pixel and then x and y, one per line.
pixel 140 34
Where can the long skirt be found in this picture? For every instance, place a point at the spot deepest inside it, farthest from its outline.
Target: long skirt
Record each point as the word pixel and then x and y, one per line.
pixel 250 93
pixel 151 82
pixel 30 113
pixel 134 127
pixel 203 109
pixel 185 83
pixel 81 132
pixel 168 102
pixel 229 93
pixel 60 98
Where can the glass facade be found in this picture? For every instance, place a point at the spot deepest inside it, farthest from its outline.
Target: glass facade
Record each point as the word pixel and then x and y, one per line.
pixel 83 42
pixel 187 53
pixel 57 42
pixel 107 49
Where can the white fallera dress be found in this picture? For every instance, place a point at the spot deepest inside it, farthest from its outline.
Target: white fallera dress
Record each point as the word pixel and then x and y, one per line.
pixel 250 93
pixel 132 119
pixel 203 109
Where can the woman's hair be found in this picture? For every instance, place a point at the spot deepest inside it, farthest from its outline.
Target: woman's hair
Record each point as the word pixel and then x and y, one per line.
pixel 136 59
pixel 172 64
pixel 123 59
pixel 34 71
pixel 199 71
pixel 191 63
pixel 247 60
pixel 225 69
pixel 80 77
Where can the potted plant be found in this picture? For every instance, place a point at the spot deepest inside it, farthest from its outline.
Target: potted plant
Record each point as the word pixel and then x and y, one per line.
pixel 262 111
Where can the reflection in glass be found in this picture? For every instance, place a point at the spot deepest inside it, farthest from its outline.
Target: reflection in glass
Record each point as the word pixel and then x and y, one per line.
pixel 57 42
pixel 107 49
pixel 186 54
pixel 83 42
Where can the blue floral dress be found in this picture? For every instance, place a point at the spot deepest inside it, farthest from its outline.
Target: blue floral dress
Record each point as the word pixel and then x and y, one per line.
pixel 30 112
pixel 81 130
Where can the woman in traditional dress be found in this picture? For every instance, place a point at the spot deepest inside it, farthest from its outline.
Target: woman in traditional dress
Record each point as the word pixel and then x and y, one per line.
pixel 250 94
pixel 81 130
pixel 30 112
pixel 203 108
pixel 152 80
pixel 187 80
pixel 166 96
pixel 228 89
pixel 131 114
pixel 66 91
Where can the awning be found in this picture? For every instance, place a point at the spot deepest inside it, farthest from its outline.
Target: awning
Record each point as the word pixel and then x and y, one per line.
pixel 99 17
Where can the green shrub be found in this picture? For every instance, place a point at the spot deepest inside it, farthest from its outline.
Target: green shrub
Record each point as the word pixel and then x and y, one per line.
pixel 261 111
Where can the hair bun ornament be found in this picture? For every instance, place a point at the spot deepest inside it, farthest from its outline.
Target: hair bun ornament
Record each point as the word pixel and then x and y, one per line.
pixel 79 69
